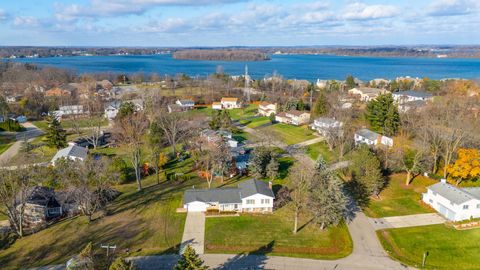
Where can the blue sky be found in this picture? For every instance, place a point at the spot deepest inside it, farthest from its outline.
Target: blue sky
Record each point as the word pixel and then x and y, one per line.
pixel 237 22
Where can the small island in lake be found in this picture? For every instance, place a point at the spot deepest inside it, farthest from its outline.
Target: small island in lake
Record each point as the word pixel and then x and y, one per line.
pixel 221 55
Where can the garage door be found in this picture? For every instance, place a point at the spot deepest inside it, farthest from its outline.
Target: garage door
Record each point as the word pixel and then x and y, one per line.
pixel 196 207
pixel 449 214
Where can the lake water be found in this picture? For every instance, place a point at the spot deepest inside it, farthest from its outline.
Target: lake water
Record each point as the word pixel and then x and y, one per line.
pixel 309 67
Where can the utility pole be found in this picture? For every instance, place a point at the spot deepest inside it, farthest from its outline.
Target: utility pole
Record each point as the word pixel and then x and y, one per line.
pixel 247 89
pixel 108 247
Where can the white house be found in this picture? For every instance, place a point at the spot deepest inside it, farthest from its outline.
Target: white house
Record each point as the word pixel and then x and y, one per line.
pixel 293 117
pixel 111 109
pixel 217 105
pixel 371 138
pixel 366 93
pixel 181 105
pixel 187 104
pixel 409 96
pixel 267 108
pixel 230 103
pixel 72 152
pixel 323 125
pixel 69 110
pixel 452 202
pixel 250 196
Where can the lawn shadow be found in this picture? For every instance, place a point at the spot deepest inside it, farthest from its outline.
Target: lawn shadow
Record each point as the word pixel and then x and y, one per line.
pixel 255 259
pixel 304 225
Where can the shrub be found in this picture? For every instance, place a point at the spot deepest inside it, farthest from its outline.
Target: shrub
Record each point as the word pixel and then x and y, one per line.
pixel 11 125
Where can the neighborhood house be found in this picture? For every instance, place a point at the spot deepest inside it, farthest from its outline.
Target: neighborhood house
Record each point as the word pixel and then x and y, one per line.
pixel 366 93
pixel 250 196
pixel 111 109
pixel 371 138
pixel 293 117
pixel 72 152
pixel 452 202
pixel 41 206
pixel 409 96
pixel 69 110
pixel 325 125
pixel 230 103
pixel 267 108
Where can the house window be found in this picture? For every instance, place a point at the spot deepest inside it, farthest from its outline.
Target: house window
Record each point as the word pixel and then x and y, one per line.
pixel 465 207
pixel 251 201
pixel 478 206
pixel 267 201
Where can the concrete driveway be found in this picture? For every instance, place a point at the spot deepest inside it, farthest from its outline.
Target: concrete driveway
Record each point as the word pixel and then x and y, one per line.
pixel 194 232
pixel 407 221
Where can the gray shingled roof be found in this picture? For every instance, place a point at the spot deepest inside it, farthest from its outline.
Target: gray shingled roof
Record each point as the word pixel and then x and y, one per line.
pixel 412 93
pixel 326 120
pixel 366 133
pixel 71 151
pixel 254 186
pixel 220 195
pixel 454 194
pixel 228 195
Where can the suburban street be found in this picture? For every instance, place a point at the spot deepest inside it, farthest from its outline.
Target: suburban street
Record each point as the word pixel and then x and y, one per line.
pixel 30 133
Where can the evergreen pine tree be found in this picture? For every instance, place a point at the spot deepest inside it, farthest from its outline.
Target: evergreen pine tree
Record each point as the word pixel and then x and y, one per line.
pixel 383 116
pixel 320 108
pixel 56 135
pixel 190 261
pixel 350 82
pixel 366 173
pixel 326 199
pixel 121 264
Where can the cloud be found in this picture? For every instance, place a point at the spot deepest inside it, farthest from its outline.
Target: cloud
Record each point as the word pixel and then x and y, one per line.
pixel 26 21
pixel 3 15
pixel 361 11
pixel 453 7
pixel 111 8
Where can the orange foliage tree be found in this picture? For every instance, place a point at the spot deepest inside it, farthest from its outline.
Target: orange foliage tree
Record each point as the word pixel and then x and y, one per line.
pixel 467 165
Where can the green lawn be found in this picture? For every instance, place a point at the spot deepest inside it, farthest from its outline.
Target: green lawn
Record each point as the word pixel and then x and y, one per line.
pixel 321 148
pixel 5 142
pixel 447 247
pixel 69 123
pixel 272 234
pixel 248 111
pixel 397 199
pixel 290 134
pixel 255 122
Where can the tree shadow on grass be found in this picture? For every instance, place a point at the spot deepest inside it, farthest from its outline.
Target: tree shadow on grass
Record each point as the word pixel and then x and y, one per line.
pixel 255 259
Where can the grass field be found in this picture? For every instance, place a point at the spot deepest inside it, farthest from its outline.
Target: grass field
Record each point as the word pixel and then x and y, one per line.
pixel 397 199
pixel 272 234
pixel 290 134
pixel 321 148
pixel 69 123
pixel 248 111
pixel 5 142
pixel 255 122
pixel 447 248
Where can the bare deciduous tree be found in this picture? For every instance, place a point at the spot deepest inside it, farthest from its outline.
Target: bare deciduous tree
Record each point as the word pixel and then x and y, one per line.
pixel 14 188
pixel 300 176
pixel 130 131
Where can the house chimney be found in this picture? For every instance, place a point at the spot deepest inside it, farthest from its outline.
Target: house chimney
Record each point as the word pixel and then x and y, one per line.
pixel 270 184
pixel 443 180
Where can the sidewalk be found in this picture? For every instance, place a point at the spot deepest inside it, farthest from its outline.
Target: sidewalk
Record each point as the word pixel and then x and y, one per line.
pixel 406 221
pixel 194 232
